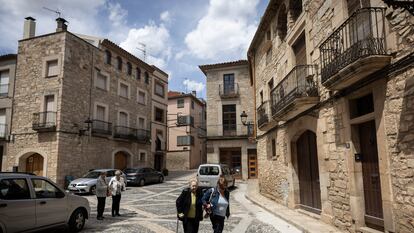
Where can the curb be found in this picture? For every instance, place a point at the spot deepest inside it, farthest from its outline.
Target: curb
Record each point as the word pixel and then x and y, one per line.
pixel 301 228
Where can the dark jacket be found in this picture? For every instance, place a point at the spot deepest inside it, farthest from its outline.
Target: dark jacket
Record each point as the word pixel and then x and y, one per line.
pixel 215 198
pixel 183 204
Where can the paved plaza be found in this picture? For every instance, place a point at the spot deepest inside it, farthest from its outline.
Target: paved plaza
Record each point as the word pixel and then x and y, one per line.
pixel 152 209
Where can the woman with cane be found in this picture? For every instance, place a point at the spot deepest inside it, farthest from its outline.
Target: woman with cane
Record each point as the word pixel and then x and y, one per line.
pixel 189 207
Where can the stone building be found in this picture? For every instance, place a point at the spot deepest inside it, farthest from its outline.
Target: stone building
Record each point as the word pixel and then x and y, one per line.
pixel 79 104
pixel 7 74
pixel 334 88
pixel 186 131
pixel 229 94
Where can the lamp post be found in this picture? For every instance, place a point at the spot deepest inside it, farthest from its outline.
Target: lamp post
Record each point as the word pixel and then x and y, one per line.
pixel 244 121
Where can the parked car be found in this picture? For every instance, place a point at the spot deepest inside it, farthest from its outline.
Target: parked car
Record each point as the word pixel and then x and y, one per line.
pixel 87 184
pixel 143 175
pixel 208 175
pixel 31 203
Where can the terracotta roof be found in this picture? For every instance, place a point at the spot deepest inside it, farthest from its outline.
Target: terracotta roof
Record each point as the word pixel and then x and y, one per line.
pixel 10 56
pixel 204 68
pixel 174 94
pixel 123 52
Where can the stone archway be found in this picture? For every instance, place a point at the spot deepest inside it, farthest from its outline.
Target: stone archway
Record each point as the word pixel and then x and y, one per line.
pixel 122 158
pixel 33 162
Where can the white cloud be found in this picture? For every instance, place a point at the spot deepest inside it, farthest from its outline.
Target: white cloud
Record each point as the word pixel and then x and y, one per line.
pixel 165 16
pixel 194 85
pixel 117 14
pixel 225 31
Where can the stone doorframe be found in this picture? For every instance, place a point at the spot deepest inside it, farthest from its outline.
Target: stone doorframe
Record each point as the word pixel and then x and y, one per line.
pixel 22 156
pixel 293 132
pixel 130 156
pixel 378 90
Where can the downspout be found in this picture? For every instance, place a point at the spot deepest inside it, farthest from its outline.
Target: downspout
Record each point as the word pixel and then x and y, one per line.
pixel 251 60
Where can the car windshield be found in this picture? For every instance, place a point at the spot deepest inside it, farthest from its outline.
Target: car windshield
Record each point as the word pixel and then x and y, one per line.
pixel 92 174
pixel 209 171
pixel 130 170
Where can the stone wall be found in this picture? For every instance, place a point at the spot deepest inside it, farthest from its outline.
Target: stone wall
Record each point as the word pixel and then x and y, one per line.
pixel 178 160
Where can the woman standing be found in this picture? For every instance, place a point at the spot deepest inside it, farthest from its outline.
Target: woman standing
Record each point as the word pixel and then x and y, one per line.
pixel 116 185
pixel 189 207
pixel 217 200
pixel 101 193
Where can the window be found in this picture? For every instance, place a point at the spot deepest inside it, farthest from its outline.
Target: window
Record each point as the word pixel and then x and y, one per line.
pixel 185 120
pixel 282 23
pixel 101 81
pixel 123 119
pixel 273 147
pixel 119 63
pixel 185 140
pixel 159 115
pixel 129 68
pixel 141 123
pixel 45 189
pixel 192 104
pixel 146 77
pixel 142 97
pixel 142 156
pixel 180 103
pixel 138 73
pixel 123 90
pixel 4 83
pixel 209 170
pixel 52 68
pixel 261 97
pixel 159 89
pixel 269 56
pixel 14 189
pixel 108 57
pixel 100 113
pixel 3 126
pixel 268 35
pixel 229 120
pixel 228 83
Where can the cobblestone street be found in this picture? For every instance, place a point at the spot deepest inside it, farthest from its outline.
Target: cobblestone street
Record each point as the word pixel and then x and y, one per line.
pixel 152 209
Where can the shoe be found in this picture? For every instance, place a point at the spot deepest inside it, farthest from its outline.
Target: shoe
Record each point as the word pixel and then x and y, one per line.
pixel 118 215
pixel 113 215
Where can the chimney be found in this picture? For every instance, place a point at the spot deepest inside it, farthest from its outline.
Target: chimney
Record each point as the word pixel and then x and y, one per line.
pixel 29 28
pixel 61 25
pixel 194 93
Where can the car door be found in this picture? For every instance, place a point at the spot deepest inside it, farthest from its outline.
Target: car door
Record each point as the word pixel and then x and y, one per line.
pixel 51 203
pixel 17 208
pixel 153 174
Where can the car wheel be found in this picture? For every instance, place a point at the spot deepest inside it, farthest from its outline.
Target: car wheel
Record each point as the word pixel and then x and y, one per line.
pixel 77 221
pixel 93 190
pixel 141 182
pixel 161 179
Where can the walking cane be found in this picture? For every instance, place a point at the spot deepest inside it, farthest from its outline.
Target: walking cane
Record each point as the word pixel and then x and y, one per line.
pixel 176 230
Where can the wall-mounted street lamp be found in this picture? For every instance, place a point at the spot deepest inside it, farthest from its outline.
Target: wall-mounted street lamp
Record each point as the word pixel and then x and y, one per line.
pixel 249 124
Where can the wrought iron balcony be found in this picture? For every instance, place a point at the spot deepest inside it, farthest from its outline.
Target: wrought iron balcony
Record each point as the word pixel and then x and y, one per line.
pixel 297 92
pixel 185 120
pixel 263 114
pixel 229 91
pixel 44 121
pixel 124 132
pixel 406 4
pixel 101 127
pixel 3 132
pixel 354 50
pixel 143 136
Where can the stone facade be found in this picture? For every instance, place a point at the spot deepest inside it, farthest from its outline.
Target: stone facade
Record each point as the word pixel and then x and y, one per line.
pixel 272 56
pixel 83 137
pixel 192 112
pixel 217 141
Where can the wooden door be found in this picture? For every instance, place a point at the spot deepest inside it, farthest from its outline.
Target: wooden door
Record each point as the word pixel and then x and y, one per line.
pixel 371 176
pixel 308 169
pixel 120 160
pixel 34 164
pixel 252 154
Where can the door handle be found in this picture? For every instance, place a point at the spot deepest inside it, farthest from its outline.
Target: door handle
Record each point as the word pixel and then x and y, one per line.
pixel 42 202
pixel 3 205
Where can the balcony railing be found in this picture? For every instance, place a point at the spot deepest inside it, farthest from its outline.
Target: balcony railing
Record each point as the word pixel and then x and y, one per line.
pixel 185 120
pixel 3 131
pixel 361 35
pixel 101 127
pixel 132 134
pixel 229 130
pixel 44 121
pixel 299 83
pixel 229 91
pixel 263 114
pixel 4 90
pixel 143 135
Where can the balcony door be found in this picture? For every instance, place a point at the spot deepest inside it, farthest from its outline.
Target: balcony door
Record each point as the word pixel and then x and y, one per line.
pixel 4 83
pixel 228 84
pixel 229 120
pixel 100 117
pixel 3 126
pixel 299 48
pixel 123 122
pixel 50 111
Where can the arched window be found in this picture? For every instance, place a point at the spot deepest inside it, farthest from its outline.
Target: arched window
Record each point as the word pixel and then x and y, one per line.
pixel 138 73
pixel 119 63
pixel 146 76
pixel 282 23
pixel 129 68
pixel 295 9
pixel 108 57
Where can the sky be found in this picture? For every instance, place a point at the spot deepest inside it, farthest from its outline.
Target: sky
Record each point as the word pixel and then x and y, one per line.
pixel 178 35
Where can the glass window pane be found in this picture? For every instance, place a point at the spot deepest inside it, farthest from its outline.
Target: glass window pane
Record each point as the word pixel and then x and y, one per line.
pixel 14 189
pixel 52 68
pixel 45 189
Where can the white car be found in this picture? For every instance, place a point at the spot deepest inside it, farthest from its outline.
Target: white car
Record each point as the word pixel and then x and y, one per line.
pixel 32 203
pixel 87 184
pixel 208 175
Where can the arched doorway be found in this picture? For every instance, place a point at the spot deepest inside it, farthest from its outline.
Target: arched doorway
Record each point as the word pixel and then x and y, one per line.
pixel 121 160
pixel 34 164
pixel 308 172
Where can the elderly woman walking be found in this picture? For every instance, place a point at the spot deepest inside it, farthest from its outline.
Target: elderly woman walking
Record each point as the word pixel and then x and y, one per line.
pixel 101 193
pixel 189 207
pixel 116 186
pixel 217 202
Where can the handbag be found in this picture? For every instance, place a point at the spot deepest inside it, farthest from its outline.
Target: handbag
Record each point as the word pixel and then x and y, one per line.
pixel 208 210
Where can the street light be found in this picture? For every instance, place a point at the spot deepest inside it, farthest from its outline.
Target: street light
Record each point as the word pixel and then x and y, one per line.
pixel 243 117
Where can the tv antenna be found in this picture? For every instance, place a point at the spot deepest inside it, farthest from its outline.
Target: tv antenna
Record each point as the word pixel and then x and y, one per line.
pixel 54 11
pixel 143 49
